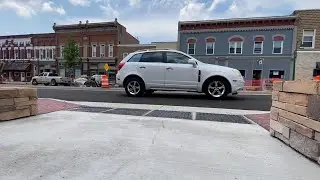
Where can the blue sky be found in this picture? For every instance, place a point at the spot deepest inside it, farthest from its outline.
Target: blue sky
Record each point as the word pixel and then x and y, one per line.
pixel 149 20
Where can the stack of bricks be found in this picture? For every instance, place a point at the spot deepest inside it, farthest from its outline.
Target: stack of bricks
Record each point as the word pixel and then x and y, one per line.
pixel 17 103
pixel 295 116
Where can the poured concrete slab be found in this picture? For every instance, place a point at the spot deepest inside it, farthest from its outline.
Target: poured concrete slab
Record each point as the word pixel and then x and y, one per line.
pixel 80 145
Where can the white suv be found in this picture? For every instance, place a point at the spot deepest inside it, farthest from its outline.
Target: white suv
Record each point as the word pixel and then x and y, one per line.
pixel 150 70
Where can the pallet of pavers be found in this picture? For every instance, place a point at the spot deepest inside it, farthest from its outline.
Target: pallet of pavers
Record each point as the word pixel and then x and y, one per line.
pixel 17 102
pixel 295 116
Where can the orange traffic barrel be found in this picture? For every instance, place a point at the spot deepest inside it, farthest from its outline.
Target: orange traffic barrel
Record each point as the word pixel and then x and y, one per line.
pixel 318 78
pixel 104 81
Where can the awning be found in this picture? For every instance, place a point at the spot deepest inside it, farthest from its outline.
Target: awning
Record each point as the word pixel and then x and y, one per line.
pixel 16 66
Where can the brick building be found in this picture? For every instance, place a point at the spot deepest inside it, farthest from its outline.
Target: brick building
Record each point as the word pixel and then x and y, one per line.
pixel 307 61
pixel 27 55
pixel 98 44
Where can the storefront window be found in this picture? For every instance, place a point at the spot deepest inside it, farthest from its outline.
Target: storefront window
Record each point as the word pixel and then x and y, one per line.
pixel 279 74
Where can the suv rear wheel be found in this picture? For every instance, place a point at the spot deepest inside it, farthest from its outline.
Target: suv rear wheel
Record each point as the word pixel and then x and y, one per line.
pixel 134 87
pixel 217 88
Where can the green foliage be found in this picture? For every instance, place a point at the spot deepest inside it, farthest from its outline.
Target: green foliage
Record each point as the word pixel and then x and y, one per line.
pixel 71 54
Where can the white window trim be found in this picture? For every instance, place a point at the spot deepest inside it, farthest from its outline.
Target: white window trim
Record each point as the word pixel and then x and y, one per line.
pixel 214 45
pixel 194 52
pixel 313 39
pixel 254 47
pixel 235 50
pixel 28 53
pixel 92 54
pixel 273 47
pixel 102 46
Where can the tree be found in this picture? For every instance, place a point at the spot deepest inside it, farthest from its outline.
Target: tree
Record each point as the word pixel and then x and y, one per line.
pixel 71 55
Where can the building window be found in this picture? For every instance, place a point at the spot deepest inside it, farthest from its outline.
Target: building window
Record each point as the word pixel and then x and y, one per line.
pixel 48 53
pixel 191 46
pixel 16 54
pixel 210 43
pixel 102 50
pixel 41 53
pixel 28 53
pixel 94 50
pixel 16 74
pixel 110 50
pixel 61 51
pixel 258 45
pixel 124 55
pixel 28 74
pixel 235 45
pixel 277 74
pixel 4 54
pixel 243 73
pixel 277 44
pixel 308 39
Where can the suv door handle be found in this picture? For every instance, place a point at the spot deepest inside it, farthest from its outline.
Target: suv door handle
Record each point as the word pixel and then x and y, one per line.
pixel 169 68
pixel 142 67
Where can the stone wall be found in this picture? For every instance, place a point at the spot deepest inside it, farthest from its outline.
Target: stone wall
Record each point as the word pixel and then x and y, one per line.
pixel 305 64
pixel 295 116
pixel 17 103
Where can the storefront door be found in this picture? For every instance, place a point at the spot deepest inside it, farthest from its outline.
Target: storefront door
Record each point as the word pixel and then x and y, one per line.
pixel 23 76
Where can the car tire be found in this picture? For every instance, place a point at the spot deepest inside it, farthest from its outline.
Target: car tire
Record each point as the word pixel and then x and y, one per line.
pixel 217 88
pixel 34 82
pixel 53 82
pixel 46 84
pixel 134 87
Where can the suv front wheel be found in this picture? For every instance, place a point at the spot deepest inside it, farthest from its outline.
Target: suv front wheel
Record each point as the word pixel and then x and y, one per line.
pixel 134 87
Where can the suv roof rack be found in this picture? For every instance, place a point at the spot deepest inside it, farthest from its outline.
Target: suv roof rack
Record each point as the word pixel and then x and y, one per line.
pixel 152 49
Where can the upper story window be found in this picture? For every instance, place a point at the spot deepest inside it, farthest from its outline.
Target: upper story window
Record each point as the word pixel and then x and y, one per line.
pixel 16 54
pixel 192 46
pixel 210 43
pixel 110 50
pixel 102 50
pixel 61 51
pixel 94 50
pixel 235 45
pixel 308 39
pixel 258 45
pixel 28 53
pixel 277 45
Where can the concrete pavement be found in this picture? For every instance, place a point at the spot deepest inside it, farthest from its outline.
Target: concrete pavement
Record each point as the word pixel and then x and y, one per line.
pixel 81 145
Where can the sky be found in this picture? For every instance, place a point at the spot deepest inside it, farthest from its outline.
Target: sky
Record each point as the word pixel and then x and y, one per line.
pixel 148 20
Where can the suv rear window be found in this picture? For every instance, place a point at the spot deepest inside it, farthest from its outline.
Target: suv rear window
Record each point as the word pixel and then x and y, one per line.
pixel 135 58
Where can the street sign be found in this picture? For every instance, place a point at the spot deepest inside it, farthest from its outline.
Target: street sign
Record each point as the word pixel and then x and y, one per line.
pixel 106 67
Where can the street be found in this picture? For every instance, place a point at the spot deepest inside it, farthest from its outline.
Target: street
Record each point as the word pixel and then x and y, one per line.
pixel 245 102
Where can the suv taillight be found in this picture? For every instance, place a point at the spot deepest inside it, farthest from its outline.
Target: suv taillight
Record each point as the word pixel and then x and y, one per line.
pixel 121 64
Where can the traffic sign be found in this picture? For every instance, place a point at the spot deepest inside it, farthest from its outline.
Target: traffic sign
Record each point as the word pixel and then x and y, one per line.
pixel 106 67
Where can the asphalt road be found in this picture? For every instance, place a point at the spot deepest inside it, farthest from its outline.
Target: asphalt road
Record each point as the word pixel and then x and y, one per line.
pixel 246 102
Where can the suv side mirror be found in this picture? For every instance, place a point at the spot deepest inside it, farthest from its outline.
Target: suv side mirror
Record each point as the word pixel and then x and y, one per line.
pixel 193 62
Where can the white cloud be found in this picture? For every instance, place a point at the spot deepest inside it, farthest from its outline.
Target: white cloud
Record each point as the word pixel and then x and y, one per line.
pixel 29 8
pixel 50 7
pixel 80 2
pixel 134 3
pixel 109 11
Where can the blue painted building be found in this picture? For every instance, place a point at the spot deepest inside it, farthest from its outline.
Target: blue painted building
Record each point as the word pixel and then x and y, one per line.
pixel 261 48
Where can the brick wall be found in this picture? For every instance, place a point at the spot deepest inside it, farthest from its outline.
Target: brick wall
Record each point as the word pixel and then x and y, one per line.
pixel 295 116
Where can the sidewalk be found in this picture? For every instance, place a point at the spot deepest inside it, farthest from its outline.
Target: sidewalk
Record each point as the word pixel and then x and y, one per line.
pixel 90 145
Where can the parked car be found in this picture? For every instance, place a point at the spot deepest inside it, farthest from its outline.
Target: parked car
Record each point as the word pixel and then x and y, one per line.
pixel 84 80
pixel 150 70
pixel 98 80
pixel 53 79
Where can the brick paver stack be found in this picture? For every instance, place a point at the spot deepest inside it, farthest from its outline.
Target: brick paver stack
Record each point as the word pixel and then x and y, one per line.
pixel 295 116
pixel 17 103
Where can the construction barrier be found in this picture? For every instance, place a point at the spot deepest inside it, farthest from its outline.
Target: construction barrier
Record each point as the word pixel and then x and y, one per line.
pixel 105 81
pixel 317 78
